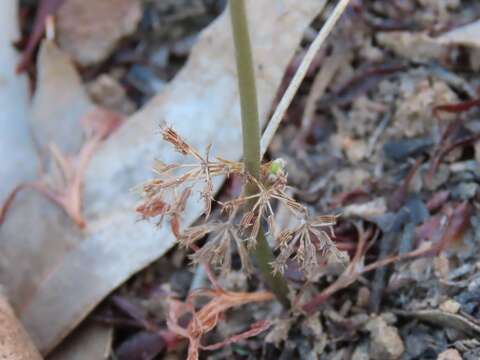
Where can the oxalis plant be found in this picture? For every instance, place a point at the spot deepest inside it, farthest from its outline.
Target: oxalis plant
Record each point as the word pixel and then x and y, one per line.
pixel 246 220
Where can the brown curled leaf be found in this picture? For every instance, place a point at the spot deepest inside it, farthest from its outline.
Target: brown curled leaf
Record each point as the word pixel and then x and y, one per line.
pixel 206 319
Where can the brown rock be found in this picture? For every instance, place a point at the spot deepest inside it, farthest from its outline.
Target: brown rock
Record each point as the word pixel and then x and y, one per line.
pixel 385 342
pixel 89 29
pixel 450 306
pixel 107 92
pixel 450 354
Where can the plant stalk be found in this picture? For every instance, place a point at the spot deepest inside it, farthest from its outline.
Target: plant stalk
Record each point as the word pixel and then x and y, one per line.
pixel 262 252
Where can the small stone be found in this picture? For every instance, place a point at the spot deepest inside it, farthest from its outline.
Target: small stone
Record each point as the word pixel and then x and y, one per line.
pixel 377 207
pixel 312 326
pixel 389 318
pixel 450 354
pixel 450 306
pixel 89 30
pixel 106 91
pixel 361 352
pixel 363 297
pixel 234 280
pixel 385 342
pixel 439 178
pixel 465 191
pixel 279 332
pixel 441 267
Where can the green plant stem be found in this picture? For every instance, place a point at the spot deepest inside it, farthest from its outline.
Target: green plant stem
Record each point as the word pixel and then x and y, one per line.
pixel 251 139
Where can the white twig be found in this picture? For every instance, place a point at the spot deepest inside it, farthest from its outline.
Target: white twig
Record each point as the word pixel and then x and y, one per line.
pixel 300 75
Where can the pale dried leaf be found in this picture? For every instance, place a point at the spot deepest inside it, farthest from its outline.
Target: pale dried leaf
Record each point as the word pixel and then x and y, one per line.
pixel 90 341
pixel 59 101
pixel 21 163
pixel 466 35
pixel 15 343
pixel 26 257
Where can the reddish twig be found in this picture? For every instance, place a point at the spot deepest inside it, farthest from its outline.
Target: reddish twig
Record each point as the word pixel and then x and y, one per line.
pixel 457 107
pixel 46 8
pixel 98 124
pixel 397 199
pixel 206 319
pixel 444 150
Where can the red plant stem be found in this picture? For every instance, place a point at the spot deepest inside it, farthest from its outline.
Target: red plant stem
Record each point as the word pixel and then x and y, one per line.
pixel 45 9
pixel 456 108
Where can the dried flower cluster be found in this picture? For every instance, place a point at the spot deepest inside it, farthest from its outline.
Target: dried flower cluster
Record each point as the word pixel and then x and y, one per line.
pixel 167 195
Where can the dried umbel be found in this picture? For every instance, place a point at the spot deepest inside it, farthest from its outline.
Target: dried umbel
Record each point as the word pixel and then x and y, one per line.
pixel 173 176
pixel 167 196
pixel 305 242
pixel 217 251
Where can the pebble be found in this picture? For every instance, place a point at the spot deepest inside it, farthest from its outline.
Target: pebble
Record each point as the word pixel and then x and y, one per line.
pixel 385 342
pixel 450 354
pixel 450 306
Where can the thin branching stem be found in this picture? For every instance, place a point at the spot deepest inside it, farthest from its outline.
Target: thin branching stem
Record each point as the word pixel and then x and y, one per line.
pixel 251 138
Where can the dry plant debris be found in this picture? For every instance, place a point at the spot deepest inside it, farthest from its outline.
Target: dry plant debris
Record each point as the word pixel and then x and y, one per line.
pixel 308 241
pixel 206 319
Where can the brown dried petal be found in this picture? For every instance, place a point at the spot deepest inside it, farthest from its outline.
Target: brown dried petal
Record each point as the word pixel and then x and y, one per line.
pixel 174 138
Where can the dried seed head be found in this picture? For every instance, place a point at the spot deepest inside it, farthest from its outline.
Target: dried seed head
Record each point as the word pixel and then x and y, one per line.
pixel 218 249
pixel 305 243
pixel 175 139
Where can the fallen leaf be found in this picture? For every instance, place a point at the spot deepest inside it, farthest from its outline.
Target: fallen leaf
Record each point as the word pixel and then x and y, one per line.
pixel 90 341
pixel 89 29
pixel 15 343
pixel 59 102
pixel 26 257
pixel 466 35
pixel 20 164
pixel 85 266
pixel 68 172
